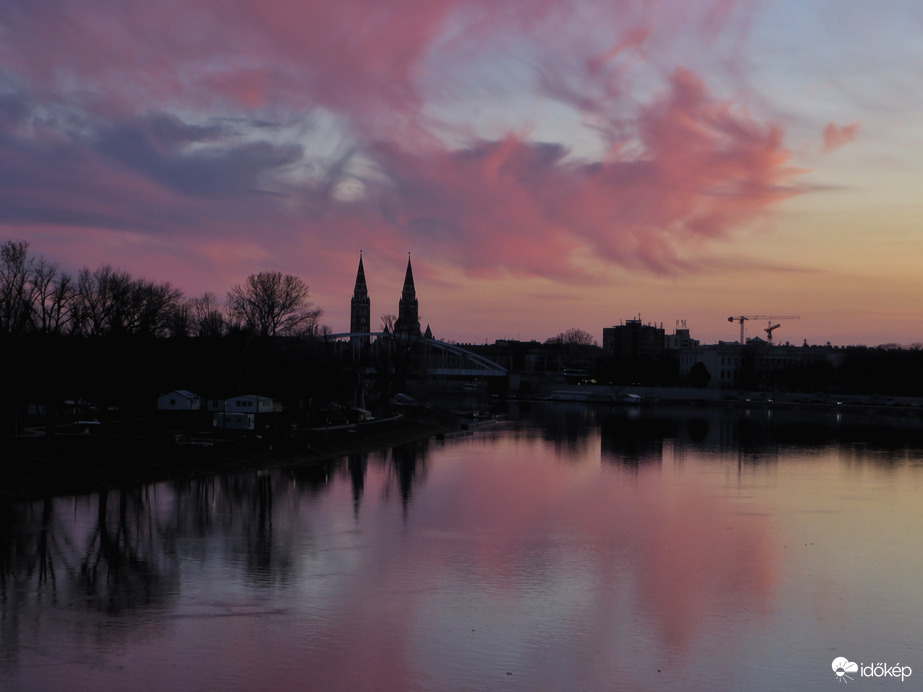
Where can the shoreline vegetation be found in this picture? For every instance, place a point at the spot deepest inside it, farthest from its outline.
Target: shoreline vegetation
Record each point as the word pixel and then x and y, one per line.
pixel 76 464
pixel 80 459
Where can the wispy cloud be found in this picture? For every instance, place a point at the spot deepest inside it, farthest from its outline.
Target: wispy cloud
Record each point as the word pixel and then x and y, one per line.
pixel 836 136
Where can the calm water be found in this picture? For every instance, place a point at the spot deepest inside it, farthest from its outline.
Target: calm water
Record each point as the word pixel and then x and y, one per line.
pixel 567 549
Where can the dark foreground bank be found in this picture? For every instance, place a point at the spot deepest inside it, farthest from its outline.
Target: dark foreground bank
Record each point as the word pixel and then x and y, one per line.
pixel 36 467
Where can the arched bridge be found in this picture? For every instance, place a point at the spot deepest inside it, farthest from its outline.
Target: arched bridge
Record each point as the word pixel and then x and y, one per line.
pixel 440 357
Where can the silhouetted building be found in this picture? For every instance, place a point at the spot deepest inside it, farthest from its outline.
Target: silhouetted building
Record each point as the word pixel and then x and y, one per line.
pixel 360 309
pixel 408 318
pixel 680 339
pixel 633 340
pixel 761 365
pixel 723 363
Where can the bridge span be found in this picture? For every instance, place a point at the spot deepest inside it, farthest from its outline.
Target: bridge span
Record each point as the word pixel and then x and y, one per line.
pixel 439 357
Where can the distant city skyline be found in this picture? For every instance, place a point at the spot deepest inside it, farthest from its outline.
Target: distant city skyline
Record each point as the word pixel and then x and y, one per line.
pixel 552 164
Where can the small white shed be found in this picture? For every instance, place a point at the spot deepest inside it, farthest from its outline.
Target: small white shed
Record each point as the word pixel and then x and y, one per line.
pixel 179 400
pixel 249 403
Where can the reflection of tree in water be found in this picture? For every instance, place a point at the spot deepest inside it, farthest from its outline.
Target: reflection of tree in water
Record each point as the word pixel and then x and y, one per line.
pixel 120 551
pixel 266 556
pixel 24 553
pixel 107 553
pixel 312 478
pixel 129 560
pixel 125 560
pixel 27 574
pixel 240 507
pixel 194 503
pixel 357 466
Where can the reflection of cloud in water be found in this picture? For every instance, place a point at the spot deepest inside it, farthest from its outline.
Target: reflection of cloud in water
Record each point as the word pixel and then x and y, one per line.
pixel 699 558
pixel 505 551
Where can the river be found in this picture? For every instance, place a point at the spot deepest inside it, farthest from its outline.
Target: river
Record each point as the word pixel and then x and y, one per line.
pixel 564 548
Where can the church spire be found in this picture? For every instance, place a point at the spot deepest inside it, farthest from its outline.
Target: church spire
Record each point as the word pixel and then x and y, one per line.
pixel 408 319
pixel 360 309
pixel 361 288
pixel 409 291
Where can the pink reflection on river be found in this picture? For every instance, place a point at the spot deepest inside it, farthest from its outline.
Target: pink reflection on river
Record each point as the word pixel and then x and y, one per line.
pixel 508 560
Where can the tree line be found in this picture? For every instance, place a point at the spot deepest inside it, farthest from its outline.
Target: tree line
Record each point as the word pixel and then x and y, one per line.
pixel 38 297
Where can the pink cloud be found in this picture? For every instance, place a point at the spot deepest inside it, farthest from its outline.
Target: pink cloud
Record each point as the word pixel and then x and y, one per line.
pixel 698 171
pixel 836 136
pixel 190 125
pixel 363 60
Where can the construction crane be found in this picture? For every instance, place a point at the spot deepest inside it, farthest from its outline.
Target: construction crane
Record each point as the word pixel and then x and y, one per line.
pixel 769 329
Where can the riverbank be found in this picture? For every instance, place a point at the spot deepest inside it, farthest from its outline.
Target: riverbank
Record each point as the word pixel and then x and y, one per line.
pixel 859 404
pixel 75 464
pixel 89 457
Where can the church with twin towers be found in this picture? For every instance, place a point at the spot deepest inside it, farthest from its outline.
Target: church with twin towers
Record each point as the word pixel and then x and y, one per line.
pixel 407 324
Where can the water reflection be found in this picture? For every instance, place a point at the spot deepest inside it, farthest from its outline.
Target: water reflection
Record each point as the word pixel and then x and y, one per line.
pixel 633 442
pixel 408 468
pixel 122 551
pixel 107 555
pixel 570 548
pixel 568 427
pixel 120 560
pixel 632 435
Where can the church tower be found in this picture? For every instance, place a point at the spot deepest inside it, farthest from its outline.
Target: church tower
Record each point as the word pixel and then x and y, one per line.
pixel 360 309
pixel 408 319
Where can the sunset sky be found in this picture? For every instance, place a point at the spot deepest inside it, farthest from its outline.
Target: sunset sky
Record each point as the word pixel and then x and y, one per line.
pixel 548 163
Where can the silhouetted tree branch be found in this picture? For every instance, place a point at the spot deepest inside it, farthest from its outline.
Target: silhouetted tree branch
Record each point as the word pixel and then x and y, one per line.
pixel 575 336
pixel 271 303
pixel 387 322
pixel 17 293
pixel 206 316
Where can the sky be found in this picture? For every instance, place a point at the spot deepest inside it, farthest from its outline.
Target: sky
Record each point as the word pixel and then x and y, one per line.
pixel 548 164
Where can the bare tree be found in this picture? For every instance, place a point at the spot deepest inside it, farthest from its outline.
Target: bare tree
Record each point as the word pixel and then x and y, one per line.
pixel 99 295
pixel 272 303
pixel 206 316
pixel 387 322
pixel 55 298
pixel 573 335
pixel 109 301
pixel 17 294
pixel 155 307
pixel 34 295
pixel 179 323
